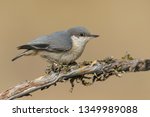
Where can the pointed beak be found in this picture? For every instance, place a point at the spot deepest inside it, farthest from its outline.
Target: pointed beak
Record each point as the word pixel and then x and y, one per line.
pixel 93 36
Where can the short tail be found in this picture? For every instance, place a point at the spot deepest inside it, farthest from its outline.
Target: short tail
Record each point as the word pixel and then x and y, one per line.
pixel 20 55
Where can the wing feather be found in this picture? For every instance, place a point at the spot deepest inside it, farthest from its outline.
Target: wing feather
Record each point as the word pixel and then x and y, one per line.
pixel 56 42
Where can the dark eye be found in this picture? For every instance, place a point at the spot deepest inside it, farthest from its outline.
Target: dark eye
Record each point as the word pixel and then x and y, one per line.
pixel 82 34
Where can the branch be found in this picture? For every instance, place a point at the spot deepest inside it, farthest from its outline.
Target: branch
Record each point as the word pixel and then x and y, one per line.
pixel 86 73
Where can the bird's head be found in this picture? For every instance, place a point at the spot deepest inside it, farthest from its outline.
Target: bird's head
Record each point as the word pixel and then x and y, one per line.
pixel 81 35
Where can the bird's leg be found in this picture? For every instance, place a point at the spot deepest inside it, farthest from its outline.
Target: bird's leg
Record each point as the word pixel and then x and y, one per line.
pixel 53 64
pixel 56 67
pixel 67 67
pixel 61 67
pixel 73 63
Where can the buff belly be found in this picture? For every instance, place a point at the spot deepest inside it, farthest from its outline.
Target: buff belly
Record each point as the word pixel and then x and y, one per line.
pixel 61 58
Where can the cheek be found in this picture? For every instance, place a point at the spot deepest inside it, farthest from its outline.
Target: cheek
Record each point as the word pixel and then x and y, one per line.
pixel 85 39
pixel 88 38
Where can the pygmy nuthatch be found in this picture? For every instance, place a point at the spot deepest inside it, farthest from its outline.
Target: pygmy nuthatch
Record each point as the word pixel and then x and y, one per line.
pixel 61 47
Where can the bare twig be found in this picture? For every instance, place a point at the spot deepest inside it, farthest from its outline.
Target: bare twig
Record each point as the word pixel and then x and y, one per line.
pixel 86 73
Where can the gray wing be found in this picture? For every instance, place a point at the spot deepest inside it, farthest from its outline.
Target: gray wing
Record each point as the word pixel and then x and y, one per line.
pixel 56 42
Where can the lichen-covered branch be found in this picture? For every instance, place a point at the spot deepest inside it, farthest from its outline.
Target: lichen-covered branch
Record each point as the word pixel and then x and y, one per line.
pixel 86 73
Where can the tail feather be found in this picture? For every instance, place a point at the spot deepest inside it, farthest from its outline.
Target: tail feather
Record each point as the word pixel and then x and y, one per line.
pixel 17 57
pixel 20 55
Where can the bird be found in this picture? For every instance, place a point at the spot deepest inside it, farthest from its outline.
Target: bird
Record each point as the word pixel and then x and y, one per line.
pixel 62 47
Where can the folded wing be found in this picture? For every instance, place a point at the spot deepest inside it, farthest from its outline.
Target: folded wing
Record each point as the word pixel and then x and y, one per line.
pixel 56 42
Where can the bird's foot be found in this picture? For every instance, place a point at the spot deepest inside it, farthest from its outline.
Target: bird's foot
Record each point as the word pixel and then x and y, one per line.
pixel 56 67
pixel 72 63
pixel 53 67
pixel 59 67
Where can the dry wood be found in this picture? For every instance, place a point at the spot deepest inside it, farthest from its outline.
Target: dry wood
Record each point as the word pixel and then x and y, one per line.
pixel 86 73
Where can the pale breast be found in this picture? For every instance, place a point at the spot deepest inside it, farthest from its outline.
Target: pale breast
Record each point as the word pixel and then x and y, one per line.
pixel 76 50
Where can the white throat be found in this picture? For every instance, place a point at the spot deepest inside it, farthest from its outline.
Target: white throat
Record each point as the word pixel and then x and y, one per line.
pixel 79 41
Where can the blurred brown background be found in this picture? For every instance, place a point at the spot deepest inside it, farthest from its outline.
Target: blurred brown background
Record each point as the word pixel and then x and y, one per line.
pixel 124 25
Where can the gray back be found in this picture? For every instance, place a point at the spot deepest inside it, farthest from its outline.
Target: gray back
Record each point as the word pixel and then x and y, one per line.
pixel 60 41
